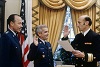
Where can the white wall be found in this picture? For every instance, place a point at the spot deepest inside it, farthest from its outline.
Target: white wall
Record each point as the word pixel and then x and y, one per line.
pixel 11 7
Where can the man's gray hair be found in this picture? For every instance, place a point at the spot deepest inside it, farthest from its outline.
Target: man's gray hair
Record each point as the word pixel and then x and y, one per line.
pixel 38 28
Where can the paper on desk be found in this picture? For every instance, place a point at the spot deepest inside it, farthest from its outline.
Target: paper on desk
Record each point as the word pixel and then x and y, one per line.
pixel 66 45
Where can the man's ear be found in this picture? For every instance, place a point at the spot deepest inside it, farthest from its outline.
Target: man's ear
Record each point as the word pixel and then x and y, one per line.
pixel 87 23
pixel 11 23
pixel 39 33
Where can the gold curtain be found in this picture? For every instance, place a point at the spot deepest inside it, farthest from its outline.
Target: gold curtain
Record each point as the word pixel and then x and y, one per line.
pixel 76 13
pixel 54 20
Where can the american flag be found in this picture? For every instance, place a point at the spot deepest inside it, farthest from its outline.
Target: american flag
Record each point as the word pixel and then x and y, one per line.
pixel 23 36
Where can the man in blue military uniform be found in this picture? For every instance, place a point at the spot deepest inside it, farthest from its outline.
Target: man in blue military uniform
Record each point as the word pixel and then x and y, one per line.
pixel 40 49
pixel 10 49
pixel 86 44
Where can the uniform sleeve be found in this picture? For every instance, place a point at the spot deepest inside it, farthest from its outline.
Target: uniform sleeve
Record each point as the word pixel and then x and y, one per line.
pixel 97 47
pixel 89 57
pixel 32 52
pixel 96 42
pixel 66 38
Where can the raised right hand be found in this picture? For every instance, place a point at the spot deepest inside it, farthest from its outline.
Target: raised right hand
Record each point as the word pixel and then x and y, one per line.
pixel 35 40
pixel 66 31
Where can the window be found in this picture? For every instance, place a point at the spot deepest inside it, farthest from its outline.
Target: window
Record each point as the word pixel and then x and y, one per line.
pixel 60 54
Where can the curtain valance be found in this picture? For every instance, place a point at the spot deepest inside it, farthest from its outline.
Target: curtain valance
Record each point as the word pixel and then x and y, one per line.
pixel 75 4
pixel 54 4
pixel 80 4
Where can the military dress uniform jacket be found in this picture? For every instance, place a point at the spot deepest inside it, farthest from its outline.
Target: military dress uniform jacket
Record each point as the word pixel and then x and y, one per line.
pixel 41 54
pixel 10 51
pixel 90 46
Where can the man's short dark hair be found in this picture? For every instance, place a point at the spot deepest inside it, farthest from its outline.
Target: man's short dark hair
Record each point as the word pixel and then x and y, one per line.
pixel 11 18
pixel 88 19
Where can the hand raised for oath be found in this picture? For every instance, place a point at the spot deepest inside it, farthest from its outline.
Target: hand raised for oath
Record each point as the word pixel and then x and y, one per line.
pixel 35 40
pixel 66 31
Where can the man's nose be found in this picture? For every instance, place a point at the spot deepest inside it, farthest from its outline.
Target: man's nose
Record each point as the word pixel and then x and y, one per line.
pixel 21 25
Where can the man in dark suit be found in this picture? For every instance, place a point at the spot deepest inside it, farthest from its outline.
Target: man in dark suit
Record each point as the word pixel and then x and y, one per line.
pixel 10 49
pixel 40 49
pixel 86 44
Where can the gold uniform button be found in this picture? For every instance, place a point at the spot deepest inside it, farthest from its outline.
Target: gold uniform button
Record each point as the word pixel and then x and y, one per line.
pixel 43 56
pixel 82 65
pixel 76 64
pixel 76 58
pixel 94 57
